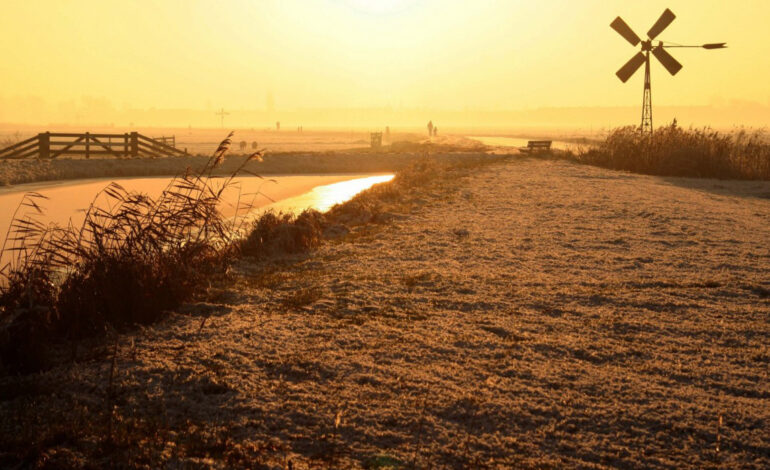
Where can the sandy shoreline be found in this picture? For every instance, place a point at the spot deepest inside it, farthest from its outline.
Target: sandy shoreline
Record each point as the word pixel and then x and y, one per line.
pixel 531 314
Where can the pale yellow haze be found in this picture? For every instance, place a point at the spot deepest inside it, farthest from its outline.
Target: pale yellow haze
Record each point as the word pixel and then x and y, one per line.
pixel 430 54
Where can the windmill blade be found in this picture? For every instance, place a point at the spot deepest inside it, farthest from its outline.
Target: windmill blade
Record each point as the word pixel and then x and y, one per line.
pixel 665 19
pixel 631 66
pixel 667 60
pixel 624 30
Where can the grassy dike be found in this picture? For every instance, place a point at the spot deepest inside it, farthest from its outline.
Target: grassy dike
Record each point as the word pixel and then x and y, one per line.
pixel 86 319
pixel 532 313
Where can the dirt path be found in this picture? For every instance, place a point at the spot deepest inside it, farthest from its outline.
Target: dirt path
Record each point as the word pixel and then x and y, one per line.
pixel 543 315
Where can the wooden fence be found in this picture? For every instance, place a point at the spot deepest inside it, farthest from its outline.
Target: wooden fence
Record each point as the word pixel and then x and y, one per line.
pixel 170 141
pixel 49 145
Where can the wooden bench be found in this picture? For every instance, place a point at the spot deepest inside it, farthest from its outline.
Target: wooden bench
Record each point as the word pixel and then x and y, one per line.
pixel 537 146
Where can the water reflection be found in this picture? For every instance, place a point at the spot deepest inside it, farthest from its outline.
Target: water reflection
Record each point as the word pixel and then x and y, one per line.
pixel 67 201
pixel 322 198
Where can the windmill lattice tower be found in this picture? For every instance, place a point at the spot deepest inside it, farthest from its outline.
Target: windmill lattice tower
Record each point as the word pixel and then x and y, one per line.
pixel 643 57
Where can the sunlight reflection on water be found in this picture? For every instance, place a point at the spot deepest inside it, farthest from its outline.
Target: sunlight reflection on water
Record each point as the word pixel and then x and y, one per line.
pixel 66 200
pixel 322 198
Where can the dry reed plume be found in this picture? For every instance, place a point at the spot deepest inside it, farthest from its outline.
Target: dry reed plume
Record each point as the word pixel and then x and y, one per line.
pixel 673 151
pixel 132 258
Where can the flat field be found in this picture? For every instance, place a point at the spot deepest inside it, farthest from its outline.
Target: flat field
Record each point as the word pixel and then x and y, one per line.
pixel 531 314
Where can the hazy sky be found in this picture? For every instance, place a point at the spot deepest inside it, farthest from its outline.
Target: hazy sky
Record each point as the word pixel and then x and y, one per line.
pixel 504 54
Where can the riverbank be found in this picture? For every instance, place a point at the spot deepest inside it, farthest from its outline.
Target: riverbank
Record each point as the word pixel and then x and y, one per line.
pixel 387 160
pixel 528 314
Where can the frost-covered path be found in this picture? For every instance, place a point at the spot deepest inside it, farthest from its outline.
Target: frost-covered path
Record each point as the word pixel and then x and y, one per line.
pixel 543 314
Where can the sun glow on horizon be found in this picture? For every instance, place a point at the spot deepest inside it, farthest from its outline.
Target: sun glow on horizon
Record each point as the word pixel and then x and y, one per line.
pixel 380 6
pixel 100 61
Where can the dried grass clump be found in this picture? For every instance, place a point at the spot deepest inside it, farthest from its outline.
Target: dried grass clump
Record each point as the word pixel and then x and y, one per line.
pixel 279 233
pixel 283 233
pixel 673 151
pixel 133 258
pixel 419 173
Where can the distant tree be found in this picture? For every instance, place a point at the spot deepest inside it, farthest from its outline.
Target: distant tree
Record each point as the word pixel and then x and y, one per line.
pixel 254 145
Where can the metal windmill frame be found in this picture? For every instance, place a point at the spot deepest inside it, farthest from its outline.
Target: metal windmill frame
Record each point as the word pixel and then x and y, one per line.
pixel 643 57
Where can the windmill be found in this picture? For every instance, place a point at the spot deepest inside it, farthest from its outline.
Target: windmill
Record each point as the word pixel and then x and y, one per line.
pixel 643 57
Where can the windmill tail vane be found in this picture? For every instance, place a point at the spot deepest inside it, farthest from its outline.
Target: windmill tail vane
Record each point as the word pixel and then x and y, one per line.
pixel 648 47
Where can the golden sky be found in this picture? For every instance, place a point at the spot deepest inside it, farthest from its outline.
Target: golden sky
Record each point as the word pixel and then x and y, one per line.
pixel 450 54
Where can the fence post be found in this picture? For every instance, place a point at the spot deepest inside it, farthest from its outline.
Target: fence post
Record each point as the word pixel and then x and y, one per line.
pixel 134 144
pixel 125 144
pixel 44 143
pixel 88 145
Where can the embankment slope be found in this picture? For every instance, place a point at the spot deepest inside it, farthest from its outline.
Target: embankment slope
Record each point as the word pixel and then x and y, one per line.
pixel 532 314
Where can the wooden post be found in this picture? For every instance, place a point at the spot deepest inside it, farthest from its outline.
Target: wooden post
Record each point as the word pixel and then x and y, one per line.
pixel 134 144
pixel 125 145
pixel 88 145
pixel 44 143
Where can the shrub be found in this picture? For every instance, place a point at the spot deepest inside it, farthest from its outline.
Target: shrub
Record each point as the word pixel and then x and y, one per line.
pixel 133 258
pixel 673 151
pixel 281 232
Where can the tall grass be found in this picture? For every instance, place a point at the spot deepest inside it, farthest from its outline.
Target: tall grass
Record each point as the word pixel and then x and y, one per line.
pixel 282 233
pixel 10 139
pixel 133 258
pixel 674 151
pixel 278 233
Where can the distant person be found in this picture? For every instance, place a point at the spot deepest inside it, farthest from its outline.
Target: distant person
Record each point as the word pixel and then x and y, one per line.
pixel 430 128
pixel 435 131
pixel 387 132
pixel 278 125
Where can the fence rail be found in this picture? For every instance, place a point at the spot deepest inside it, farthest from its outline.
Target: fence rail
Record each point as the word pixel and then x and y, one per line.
pixel 170 141
pixel 49 145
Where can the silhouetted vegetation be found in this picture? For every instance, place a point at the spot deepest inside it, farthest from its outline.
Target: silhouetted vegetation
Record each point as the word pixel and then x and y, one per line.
pixel 673 151
pixel 274 233
pixel 133 258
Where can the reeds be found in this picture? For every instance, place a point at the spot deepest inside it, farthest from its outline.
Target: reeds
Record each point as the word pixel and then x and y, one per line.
pixel 133 258
pixel 673 151
pixel 284 233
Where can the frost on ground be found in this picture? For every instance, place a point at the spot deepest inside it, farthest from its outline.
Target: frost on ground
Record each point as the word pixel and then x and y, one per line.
pixel 537 314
